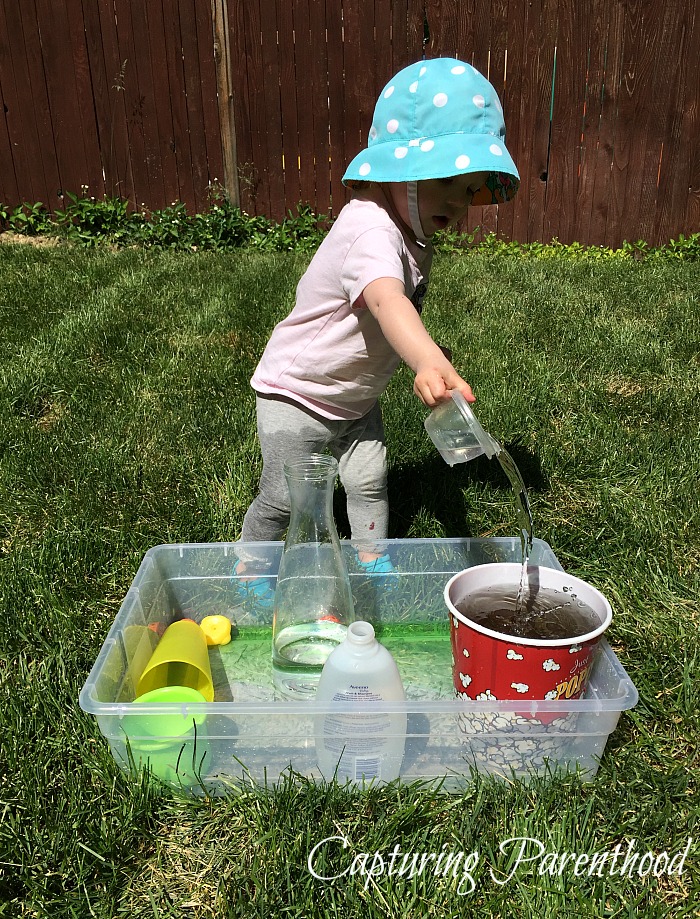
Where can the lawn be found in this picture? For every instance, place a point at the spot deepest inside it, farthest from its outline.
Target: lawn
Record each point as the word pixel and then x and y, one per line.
pixel 126 421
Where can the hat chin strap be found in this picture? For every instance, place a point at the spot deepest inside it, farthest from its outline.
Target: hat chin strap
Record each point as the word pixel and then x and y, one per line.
pixel 413 212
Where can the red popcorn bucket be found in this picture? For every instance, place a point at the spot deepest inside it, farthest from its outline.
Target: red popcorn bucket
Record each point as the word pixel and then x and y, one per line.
pixel 490 664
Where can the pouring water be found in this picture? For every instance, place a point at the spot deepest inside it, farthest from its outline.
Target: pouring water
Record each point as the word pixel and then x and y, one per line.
pixel 524 518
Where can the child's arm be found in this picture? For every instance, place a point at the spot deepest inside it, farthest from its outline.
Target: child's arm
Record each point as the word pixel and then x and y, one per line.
pixel 403 329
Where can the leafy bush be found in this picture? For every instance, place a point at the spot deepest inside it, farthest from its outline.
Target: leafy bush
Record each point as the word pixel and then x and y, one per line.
pixel 90 221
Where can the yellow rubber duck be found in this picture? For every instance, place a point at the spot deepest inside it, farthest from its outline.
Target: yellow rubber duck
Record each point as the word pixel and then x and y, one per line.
pixel 217 630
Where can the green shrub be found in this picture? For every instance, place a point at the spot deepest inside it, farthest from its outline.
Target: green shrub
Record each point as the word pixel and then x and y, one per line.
pixel 90 221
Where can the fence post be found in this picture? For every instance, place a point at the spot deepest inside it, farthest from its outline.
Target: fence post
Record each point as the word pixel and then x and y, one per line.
pixel 222 59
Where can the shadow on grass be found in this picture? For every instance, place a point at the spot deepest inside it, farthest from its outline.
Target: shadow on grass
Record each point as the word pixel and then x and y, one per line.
pixel 429 489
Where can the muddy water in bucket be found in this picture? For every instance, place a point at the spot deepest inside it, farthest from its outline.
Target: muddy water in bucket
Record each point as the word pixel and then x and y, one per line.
pixel 551 614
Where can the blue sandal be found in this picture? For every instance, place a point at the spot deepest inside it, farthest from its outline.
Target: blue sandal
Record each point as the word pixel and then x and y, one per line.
pixel 383 568
pixel 254 591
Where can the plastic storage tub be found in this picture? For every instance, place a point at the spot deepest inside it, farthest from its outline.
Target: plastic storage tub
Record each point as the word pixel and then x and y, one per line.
pixel 247 734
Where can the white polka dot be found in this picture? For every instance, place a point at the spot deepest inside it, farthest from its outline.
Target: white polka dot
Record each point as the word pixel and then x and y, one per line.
pixel 414 142
pixel 427 145
pixel 365 169
pixel 440 100
pixel 496 150
pixel 462 162
pixel 392 126
pixel 388 91
pixel 458 69
pixel 422 72
pixel 372 133
pixel 400 152
pixel 479 100
pixel 413 87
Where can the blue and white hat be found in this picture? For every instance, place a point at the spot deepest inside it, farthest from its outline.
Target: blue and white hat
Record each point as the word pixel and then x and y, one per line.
pixel 435 119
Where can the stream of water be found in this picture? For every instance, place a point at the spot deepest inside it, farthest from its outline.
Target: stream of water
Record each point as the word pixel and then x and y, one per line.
pixel 524 517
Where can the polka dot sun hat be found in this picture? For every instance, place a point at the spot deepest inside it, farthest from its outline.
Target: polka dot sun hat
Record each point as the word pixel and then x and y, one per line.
pixel 434 119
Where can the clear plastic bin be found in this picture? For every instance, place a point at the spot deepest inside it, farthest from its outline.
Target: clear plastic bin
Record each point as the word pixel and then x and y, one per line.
pixel 247 733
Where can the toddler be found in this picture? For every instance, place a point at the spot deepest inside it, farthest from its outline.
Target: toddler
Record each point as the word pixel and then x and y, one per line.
pixel 436 146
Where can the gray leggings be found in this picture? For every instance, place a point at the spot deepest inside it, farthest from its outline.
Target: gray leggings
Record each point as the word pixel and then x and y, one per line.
pixel 288 432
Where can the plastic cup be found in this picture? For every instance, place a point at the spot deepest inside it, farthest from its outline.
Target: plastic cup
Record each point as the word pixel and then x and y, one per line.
pixel 181 658
pixel 489 665
pixel 168 723
pixel 168 739
pixel 455 431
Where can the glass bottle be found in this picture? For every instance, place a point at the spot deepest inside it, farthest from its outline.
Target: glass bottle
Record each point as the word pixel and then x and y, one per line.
pixel 313 601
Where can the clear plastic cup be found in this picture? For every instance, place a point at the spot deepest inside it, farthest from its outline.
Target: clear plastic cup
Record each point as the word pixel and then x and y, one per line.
pixel 457 434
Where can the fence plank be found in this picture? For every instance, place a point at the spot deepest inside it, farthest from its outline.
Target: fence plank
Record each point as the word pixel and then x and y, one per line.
pixel 92 175
pixel 260 125
pixel 357 82
pixel 194 102
pixel 611 79
pixel 213 151
pixel 134 102
pixel 625 180
pixel 510 99
pixel 531 153
pixel 591 27
pixel 289 103
pixel 152 96
pixel 242 68
pixel 9 187
pixel 686 200
pixel 310 104
pixel 663 99
pixel 567 125
pixel 108 70
pixel 272 109
pixel 100 89
pixel 154 27
pixel 334 151
pixel 47 171
pixel 19 114
pixel 63 94
pixel 660 37
pixel 178 102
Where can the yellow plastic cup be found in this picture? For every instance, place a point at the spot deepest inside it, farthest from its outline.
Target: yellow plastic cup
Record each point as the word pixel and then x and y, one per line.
pixel 181 658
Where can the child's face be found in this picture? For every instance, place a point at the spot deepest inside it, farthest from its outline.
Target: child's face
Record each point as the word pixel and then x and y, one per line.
pixel 441 202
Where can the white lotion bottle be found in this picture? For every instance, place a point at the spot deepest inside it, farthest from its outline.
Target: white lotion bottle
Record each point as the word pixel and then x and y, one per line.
pixel 362 743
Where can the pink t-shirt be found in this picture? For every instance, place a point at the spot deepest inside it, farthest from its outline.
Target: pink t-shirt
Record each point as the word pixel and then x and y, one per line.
pixel 329 354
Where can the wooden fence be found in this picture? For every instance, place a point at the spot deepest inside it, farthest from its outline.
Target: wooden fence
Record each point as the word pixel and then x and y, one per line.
pixel 160 100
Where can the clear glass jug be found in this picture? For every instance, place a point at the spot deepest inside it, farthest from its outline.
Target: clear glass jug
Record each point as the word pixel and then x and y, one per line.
pixel 313 601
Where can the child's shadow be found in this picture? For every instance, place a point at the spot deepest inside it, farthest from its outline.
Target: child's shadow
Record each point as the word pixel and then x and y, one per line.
pixel 429 490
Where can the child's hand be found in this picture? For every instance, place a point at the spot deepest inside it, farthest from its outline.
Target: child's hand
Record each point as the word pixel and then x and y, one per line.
pixel 433 385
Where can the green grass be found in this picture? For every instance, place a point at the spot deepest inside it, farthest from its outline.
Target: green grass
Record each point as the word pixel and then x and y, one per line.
pixel 126 420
